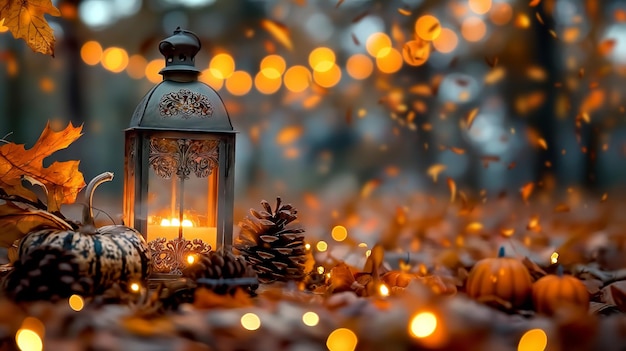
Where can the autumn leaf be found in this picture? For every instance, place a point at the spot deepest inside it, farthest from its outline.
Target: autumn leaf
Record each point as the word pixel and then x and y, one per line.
pixel 16 222
pixel 25 19
pixel 62 180
pixel 279 31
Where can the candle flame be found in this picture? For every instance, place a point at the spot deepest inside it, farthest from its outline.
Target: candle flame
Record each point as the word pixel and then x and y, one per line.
pixel 554 258
pixel 320 269
pixel 134 287
pixel 175 222
pixel 191 259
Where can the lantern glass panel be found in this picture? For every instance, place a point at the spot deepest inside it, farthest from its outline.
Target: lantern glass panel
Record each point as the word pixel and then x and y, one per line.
pixel 182 189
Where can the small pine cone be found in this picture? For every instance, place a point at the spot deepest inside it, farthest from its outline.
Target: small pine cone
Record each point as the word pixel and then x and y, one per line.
pixel 47 273
pixel 272 244
pixel 223 268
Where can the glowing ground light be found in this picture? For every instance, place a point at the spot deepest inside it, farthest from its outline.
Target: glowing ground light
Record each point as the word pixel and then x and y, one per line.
pixel 501 13
pixel 321 246
pixel 359 66
pixel 423 324
pixel 152 71
pixel 310 319
pixel 447 41
pixel 266 85
pixel 250 321
pixel 554 258
pixel 207 77
pixel 29 336
pixel 427 27
pixel 322 59
pixel 272 66
pixel 329 78
pixel 339 233
pixel 341 339
pixel 480 7
pixel 91 53
pixel 378 44
pixel 28 340
pixel 115 59
pixel 390 63
pixel 533 340
pixel 307 246
pixel 239 83
pixel 222 66
pixel 136 66
pixel 135 287
pixel 76 303
pixel 473 29
pixel 297 78
pixel 383 290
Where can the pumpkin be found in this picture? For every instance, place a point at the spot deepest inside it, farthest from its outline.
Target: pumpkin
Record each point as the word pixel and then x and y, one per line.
pixel 502 278
pixel 109 254
pixel 554 291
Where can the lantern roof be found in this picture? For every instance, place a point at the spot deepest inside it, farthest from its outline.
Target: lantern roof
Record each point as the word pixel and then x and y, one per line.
pixel 180 102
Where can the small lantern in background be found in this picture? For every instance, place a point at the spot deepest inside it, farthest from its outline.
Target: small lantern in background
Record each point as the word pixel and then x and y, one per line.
pixel 179 163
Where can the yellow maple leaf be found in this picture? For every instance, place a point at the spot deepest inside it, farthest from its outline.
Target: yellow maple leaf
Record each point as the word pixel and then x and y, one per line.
pixel 62 180
pixel 25 19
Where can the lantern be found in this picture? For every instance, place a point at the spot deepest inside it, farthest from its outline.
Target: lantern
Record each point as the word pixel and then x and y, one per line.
pixel 179 163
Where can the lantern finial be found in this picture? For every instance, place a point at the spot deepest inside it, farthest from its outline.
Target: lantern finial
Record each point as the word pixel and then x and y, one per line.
pixel 180 51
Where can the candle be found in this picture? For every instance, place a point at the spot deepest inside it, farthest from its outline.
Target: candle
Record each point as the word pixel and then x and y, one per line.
pixel 169 229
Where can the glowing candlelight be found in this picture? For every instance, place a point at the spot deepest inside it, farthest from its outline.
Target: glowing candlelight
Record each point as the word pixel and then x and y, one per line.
pixel 383 290
pixel 554 258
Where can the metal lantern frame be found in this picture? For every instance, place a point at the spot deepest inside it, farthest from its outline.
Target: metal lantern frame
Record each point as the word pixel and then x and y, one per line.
pixel 180 129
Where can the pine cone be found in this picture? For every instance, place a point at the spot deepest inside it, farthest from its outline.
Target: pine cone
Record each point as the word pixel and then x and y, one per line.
pixel 272 244
pixel 222 268
pixel 47 273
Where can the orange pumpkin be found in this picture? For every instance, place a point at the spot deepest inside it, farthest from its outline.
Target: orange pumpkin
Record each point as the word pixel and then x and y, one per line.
pixel 504 278
pixel 554 291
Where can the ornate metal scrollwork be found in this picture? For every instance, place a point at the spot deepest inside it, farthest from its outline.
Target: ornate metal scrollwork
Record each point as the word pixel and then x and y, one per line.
pixel 183 157
pixel 186 103
pixel 171 256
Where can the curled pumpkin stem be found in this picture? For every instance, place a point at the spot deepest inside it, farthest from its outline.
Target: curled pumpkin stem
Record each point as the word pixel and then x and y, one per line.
pixel 88 221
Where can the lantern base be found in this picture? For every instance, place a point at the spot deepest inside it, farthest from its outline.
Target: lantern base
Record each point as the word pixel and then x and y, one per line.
pixel 156 279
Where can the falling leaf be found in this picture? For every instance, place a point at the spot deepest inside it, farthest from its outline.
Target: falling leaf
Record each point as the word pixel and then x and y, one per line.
pixel 457 150
pixel 562 208
pixel 470 117
pixel 355 40
pixel 534 3
pixel 581 73
pixel 538 16
pixel 507 232
pixel 339 2
pixel 494 75
pixel 404 12
pixel 360 16
pixel 533 224
pixel 527 190
pixel 279 31
pixel 369 187
pixel 452 187
pixel 606 46
pixel 543 143
pixel 62 180
pixel 492 62
pixel 434 170
pixel 16 222
pixel 604 197
pixel 288 135
pixel 25 19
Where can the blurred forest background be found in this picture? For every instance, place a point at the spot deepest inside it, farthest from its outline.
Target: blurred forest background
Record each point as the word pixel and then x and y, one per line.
pixel 340 101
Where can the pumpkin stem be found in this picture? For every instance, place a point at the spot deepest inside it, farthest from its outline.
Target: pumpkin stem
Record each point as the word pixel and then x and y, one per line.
pixel 88 221
pixel 501 251
pixel 559 271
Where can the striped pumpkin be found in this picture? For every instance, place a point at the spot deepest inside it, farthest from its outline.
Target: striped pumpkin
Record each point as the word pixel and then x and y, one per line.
pixel 109 254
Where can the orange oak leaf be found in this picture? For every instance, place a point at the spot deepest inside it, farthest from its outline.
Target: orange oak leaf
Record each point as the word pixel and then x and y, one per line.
pixel 61 180
pixel 25 19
